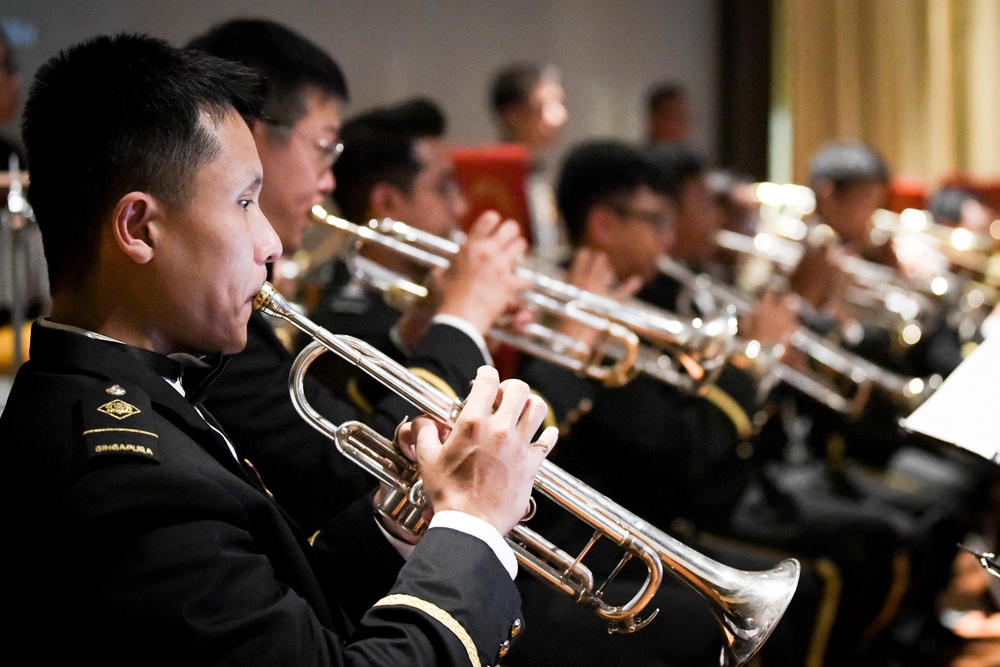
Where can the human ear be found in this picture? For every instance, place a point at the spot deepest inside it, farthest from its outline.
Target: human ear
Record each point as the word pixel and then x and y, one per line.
pixel 131 224
pixel 385 201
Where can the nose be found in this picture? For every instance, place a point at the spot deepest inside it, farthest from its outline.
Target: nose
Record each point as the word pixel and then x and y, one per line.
pixel 326 182
pixel 267 245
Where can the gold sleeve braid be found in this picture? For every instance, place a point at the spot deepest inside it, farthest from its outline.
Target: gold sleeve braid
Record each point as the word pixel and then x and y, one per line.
pixel 439 614
pixel 730 407
pixel 357 398
pixel 434 381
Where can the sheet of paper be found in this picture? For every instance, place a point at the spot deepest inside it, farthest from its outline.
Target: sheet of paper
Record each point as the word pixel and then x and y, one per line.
pixel 965 409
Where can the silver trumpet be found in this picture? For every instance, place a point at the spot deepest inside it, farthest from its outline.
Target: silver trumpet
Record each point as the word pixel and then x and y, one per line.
pixel 747 605
pixel 632 338
pixel 861 375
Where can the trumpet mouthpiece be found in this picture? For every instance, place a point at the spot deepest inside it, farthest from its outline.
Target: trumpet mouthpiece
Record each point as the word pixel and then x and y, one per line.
pixel 262 301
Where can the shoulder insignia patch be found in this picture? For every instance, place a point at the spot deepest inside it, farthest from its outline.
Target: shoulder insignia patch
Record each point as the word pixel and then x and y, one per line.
pixel 103 433
pixel 119 409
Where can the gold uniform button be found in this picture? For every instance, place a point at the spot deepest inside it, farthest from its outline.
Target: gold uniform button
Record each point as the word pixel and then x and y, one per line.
pixel 504 647
pixel 515 627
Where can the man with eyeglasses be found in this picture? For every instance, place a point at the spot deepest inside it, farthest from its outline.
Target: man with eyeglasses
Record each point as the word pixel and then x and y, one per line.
pixel 663 452
pixel 396 165
pixel 298 143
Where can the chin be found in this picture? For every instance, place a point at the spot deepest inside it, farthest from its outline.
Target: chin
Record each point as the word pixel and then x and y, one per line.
pixel 234 346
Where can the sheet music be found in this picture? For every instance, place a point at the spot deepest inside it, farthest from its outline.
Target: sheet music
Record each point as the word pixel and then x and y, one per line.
pixel 965 409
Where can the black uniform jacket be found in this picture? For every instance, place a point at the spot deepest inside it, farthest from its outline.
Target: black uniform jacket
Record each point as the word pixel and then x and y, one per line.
pixel 656 449
pixel 301 466
pixel 134 536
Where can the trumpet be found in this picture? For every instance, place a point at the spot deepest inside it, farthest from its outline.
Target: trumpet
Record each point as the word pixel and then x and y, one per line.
pixel 747 605
pixel 632 337
pixel 863 375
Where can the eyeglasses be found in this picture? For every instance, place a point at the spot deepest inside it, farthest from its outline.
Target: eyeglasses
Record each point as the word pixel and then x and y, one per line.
pixel 328 150
pixel 662 220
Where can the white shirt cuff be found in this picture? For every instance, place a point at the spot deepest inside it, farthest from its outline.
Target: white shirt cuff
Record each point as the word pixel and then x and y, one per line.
pixel 469 330
pixel 470 525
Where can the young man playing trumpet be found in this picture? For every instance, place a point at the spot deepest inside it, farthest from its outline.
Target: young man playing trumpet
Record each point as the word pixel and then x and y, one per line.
pixel 298 138
pixel 140 530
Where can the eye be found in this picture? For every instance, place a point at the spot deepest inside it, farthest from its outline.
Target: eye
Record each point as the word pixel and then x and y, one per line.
pixel 245 203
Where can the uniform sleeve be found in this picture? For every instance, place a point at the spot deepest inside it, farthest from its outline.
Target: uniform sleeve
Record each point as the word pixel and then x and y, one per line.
pixel 184 562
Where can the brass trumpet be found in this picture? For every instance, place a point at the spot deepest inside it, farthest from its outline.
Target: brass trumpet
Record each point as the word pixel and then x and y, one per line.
pixel 632 337
pixel 748 605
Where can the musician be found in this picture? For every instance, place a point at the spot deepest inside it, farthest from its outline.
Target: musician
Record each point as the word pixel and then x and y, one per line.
pixel 139 531
pixel 298 141
pixel 668 114
pixel 527 101
pixel 687 455
pixel 936 491
pixel 395 165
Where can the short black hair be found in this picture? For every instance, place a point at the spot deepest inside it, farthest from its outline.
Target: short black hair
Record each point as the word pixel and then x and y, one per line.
pixel 378 148
pixel 946 204
pixel 513 84
pixel 846 164
pixel 115 115
pixel 601 173
pixel 291 64
pixel 663 93
pixel 677 165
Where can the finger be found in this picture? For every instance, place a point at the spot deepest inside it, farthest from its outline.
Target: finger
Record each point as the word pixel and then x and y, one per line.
pixel 627 289
pixel 484 392
pixel 532 416
pixel 404 439
pixel 510 243
pixel 515 395
pixel 581 260
pixel 484 225
pixel 426 440
pixel 541 447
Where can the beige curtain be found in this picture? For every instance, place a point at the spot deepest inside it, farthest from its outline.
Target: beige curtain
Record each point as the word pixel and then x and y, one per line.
pixel 917 79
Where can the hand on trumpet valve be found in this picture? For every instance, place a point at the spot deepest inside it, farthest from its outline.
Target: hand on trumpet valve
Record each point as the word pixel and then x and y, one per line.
pixel 480 284
pixel 772 322
pixel 485 465
pixel 591 271
pixel 817 276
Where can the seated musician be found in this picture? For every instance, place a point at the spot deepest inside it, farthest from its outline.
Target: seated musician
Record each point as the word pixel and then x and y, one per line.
pixel 395 165
pixel 298 140
pixel 937 490
pixel 136 528
pixel 676 455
